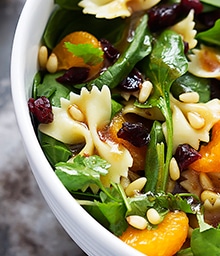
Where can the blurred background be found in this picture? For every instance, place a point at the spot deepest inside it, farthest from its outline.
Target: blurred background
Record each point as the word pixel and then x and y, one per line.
pixel 27 225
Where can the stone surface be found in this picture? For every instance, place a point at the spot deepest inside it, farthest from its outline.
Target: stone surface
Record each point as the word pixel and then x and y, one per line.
pixel 27 225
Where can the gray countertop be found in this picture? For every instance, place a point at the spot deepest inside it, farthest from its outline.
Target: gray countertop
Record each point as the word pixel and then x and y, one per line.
pixel 27 225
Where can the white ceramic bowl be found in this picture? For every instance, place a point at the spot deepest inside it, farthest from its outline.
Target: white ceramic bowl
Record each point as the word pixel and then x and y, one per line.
pixel 82 228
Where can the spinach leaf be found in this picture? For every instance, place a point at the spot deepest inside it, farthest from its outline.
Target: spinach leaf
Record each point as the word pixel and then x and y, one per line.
pixel 206 242
pixel 54 150
pixel 212 2
pixel 114 212
pixel 63 21
pixel 53 90
pixel 191 83
pixel 212 35
pixel 185 252
pixel 67 4
pixel 139 48
pixel 83 172
pixel 167 62
pixel 36 82
pixel 154 158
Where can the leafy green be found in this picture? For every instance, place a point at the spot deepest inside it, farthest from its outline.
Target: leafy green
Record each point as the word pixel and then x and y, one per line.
pixel 114 212
pixel 83 172
pixel 167 62
pixel 185 252
pixel 212 35
pixel 154 158
pixel 36 82
pixel 90 55
pixel 212 2
pixel 54 150
pixel 139 48
pixel 64 21
pixel 116 107
pixel 53 90
pixel 67 4
pixel 205 239
pixel 191 83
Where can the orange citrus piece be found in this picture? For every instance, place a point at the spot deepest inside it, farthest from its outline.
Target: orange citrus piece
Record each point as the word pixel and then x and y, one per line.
pixel 67 60
pixel 165 240
pixel 209 162
pixel 138 153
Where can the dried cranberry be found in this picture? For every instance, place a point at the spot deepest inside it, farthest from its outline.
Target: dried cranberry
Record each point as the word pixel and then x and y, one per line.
pixel 132 82
pixel 161 17
pixel 111 53
pixel 187 5
pixel 74 75
pixel 136 133
pixel 186 47
pixel 208 19
pixel 41 109
pixel 186 155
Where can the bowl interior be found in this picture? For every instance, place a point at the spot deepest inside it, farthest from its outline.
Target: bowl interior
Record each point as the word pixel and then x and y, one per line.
pixel 82 228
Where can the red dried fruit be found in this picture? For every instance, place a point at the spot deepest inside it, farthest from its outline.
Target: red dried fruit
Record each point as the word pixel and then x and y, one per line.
pixel 41 109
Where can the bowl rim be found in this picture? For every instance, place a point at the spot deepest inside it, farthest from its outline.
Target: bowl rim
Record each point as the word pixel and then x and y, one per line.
pixel 20 76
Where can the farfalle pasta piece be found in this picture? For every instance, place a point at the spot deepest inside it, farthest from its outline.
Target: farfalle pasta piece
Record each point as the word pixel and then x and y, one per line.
pixel 183 132
pixel 115 8
pixel 153 113
pixel 205 62
pixel 185 28
pixel 95 106
pixel 67 130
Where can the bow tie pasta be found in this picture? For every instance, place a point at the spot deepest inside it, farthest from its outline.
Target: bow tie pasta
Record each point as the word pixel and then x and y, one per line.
pixel 80 119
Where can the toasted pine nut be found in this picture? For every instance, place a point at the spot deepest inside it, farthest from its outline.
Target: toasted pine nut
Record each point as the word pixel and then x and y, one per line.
pixel 145 91
pixel 75 113
pixel 189 97
pixel 52 63
pixel 124 182
pixel 43 56
pixel 209 195
pixel 190 230
pixel 153 216
pixel 205 181
pixel 196 121
pixel 174 169
pixel 135 186
pixel 137 221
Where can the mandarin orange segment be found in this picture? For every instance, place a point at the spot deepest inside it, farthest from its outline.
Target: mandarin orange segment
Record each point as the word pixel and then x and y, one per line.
pixel 138 153
pixel 165 240
pixel 67 60
pixel 209 162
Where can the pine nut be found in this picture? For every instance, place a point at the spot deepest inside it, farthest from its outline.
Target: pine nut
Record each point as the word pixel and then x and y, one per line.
pixel 52 63
pixel 124 182
pixel 189 97
pixel 43 56
pixel 205 181
pixel 174 169
pixel 190 230
pixel 209 195
pixel 137 221
pixel 145 91
pixel 135 186
pixel 153 216
pixel 75 113
pixel 195 120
